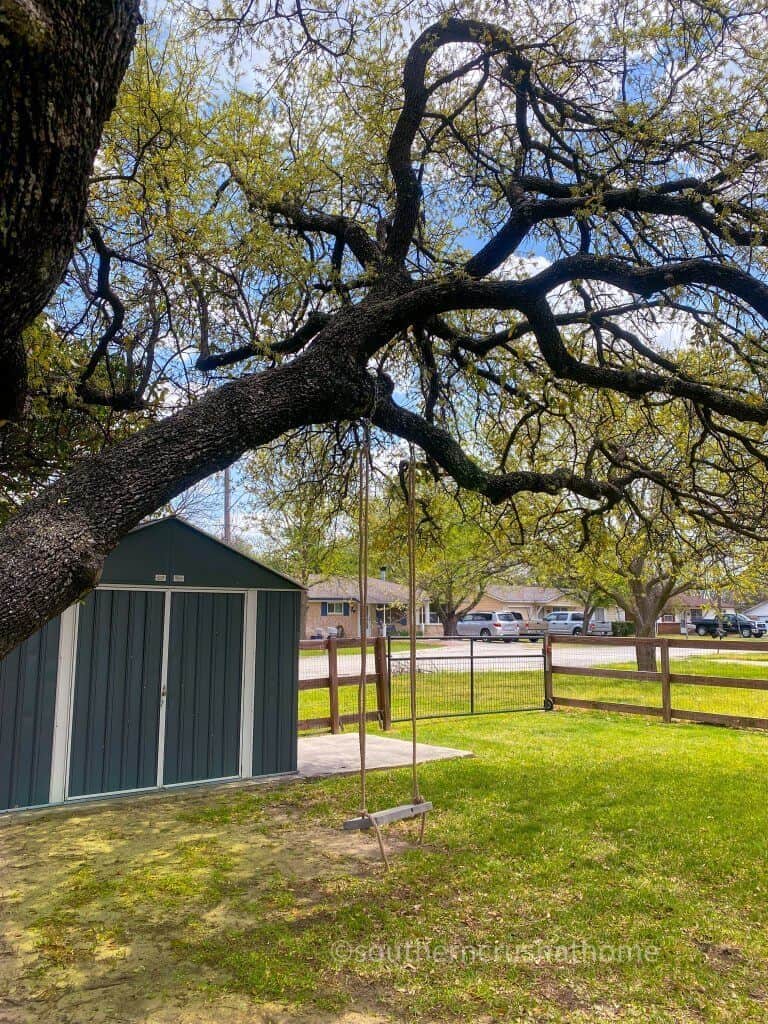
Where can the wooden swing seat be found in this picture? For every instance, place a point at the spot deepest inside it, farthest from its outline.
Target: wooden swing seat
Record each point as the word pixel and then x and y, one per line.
pixel 387 816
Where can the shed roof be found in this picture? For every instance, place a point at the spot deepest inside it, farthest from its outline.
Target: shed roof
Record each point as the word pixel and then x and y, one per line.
pixel 172 552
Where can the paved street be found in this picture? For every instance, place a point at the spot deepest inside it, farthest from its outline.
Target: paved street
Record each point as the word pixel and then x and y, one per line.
pixel 516 656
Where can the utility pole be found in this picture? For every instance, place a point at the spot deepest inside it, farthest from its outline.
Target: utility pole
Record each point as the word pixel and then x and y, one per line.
pixel 227 507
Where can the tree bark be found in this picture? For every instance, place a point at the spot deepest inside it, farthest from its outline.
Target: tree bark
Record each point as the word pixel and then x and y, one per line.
pixel 644 603
pixel 62 61
pixel 645 653
pixel 62 537
pixel 450 622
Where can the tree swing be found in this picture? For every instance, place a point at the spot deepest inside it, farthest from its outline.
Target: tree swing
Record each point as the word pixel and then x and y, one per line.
pixel 418 807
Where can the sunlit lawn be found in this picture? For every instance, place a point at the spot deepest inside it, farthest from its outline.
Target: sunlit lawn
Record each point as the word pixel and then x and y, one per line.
pixel 569 827
pixel 712 699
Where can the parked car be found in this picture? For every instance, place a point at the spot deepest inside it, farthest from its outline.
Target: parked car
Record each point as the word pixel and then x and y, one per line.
pixel 533 629
pixel 600 628
pixel 490 625
pixel 744 625
pixel 323 632
pixel 720 625
pixel 571 623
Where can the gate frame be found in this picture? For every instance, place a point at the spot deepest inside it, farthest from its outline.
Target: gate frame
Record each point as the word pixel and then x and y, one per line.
pixel 543 655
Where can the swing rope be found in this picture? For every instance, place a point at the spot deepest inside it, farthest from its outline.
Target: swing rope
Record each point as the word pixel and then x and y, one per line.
pixel 416 795
pixel 366 819
pixel 364 485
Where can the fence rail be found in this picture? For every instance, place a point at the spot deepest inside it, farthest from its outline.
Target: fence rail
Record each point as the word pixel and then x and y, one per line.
pixel 334 681
pixel 738 700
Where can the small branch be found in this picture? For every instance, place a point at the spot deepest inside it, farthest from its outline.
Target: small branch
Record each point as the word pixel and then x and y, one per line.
pixel 288 346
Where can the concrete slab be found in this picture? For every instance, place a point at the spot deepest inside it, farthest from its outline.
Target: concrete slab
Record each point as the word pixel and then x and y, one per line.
pixel 340 755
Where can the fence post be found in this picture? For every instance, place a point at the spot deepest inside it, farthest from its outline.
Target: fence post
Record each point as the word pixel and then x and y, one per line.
pixel 382 682
pixel 471 675
pixel 333 684
pixel 549 690
pixel 666 691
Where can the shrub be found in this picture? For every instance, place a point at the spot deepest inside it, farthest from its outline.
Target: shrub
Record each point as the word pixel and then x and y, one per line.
pixel 623 628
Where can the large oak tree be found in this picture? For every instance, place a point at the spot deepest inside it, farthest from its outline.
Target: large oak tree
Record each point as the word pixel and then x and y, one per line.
pixel 444 224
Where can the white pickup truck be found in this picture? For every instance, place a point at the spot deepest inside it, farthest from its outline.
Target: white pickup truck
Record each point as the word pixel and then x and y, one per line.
pixel 572 624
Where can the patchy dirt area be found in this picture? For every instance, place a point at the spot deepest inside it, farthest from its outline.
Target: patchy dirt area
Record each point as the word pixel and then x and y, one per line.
pixel 566 835
pixel 118 912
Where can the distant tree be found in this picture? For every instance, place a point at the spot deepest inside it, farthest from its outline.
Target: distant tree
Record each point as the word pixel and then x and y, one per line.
pixel 301 505
pixel 640 559
pixel 461 546
pixel 201 503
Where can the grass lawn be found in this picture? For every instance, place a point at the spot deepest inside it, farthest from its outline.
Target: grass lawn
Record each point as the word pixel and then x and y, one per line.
pixel 251 905
pixel 715 700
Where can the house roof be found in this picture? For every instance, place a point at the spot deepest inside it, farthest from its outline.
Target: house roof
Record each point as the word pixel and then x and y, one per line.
pixel 699 599
pixel 345 588
pixel 525 594
pixel 170 551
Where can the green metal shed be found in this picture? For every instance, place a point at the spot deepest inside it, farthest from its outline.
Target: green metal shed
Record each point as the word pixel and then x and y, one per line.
pixel 181 667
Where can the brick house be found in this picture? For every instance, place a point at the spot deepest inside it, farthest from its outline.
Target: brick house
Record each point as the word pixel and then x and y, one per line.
pixel 694 604
pixel 334 602
pixel 535 602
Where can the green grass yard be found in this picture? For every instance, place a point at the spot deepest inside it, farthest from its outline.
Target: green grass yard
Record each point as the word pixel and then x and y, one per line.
pixel 687 697
pixel 582 828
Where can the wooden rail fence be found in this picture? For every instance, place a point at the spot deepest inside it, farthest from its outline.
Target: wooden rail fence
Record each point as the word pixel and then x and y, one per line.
pixel 666 679
pixel 377 656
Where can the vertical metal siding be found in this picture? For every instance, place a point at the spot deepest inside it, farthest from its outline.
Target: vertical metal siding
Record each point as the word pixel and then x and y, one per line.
pixel 202 732
pixel 27 700
pixel 117 692
pixel 277 682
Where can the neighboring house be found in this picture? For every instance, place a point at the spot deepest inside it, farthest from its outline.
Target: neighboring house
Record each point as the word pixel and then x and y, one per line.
pixel 535 602
pixel 695 604
pixel 758 611
pixel 335 602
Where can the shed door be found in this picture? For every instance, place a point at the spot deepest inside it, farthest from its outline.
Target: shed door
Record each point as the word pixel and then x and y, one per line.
pixel 205 668
pixel 27 699
pixel 116 707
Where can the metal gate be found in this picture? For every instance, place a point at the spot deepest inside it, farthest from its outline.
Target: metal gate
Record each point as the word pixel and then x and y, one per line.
pixel 458 676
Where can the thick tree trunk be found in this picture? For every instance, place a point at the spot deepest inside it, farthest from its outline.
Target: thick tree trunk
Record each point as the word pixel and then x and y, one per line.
pixel 647 610
pixel 62 63
pixel 450 621
pixel 646 653
pixel 303 615
pixel 53 551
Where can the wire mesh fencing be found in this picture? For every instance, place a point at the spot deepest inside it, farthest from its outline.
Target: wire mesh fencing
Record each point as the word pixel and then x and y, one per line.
pixel 457 676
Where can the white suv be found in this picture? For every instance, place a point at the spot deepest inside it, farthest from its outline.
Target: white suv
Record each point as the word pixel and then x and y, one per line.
pixel 490 625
